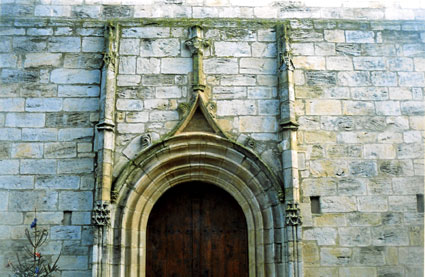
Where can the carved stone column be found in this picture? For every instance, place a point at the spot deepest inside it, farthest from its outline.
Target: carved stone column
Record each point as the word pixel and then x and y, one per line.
pixel 288 147
pixel 196 44
pixel 105 144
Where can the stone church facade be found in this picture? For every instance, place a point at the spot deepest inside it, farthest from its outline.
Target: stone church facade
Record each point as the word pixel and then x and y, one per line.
pixel 310 117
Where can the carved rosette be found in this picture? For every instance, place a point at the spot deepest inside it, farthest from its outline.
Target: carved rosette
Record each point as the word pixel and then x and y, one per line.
pixel 293 217
pixel 101 213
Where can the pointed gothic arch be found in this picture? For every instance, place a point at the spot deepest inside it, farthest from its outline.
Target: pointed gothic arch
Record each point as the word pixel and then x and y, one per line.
pixel 198 157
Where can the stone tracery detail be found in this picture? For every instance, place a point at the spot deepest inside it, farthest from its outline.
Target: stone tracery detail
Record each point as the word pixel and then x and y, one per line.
pixel 101 213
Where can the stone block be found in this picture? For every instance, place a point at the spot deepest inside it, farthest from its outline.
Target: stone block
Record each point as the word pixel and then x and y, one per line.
pixel 357 108
pixel 64 44
pixel 354 236
pixel 302 48
pixel 60 150
pixel 125 128
pixel 339 63
pixel 168 92
pixel 57 182
pixel 81 165
pixel 83 60
pixel 353 78
pixel 360 36
pixel 38 166
pixel 76 201
pixel 254 66
pixel 221 66
pixel 129 46
pixel 263 49
pixel 75 76
pixel 42 59
pixel 179 65
pixel 335 256
pixel 396 168
pixel 411 79
pixel 148 66
pixel 384 79
pixel 338 204
pixel 146 32
pixel 335 220
pixel 323 107
pixel 389 235
pixel 334 35
pixel 7 60
pixel 387 108
pixel 412 136
pixel 20 76
pixel 320 78
pixel 35 199
pixel 370 93
pixel 25 120
pixel 4 196
pixel 352 186
pixel 363 168
pixel 14 182
pixel 65 232
pixel 236 107
pixel 408 185
pixel 373 203
pixel 309 62
pixel 12 104
pixel 159 47
pixel 86 11
pixel 128 80
pixel 27 150
pixel 318 187
pixel 257 124
pixel 268 107
pixel 111 11
pixel 414 50
pixel 12 134
pixel 81 218
pixel 127 65
pixel 369 63
pixel 348 49
pixel 238 80
pixel 261 92
pixel 52 10
pixel 401 64
pixel 232 49
pixel 410 151
pixel 323 236
pixel 78 91
pixel 163 116
pixel 379 151
pixel 43 105
pixel 369 256
pixel 81 104
pixel 402 203
pixel 129 105
pixel 79 134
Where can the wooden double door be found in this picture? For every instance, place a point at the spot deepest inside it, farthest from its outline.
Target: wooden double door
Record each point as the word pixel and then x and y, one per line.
pixel 197 229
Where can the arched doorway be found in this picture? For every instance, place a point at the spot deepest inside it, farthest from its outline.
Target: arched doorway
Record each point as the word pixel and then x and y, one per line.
pixel 197 229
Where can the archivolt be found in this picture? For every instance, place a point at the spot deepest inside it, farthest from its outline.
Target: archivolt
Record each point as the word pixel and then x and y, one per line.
pixel 198 157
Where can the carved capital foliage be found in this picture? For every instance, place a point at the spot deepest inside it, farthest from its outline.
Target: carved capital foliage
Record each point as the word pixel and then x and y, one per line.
pixel 101 213
pixel 293 216
pixel 196 45
pixel 111 54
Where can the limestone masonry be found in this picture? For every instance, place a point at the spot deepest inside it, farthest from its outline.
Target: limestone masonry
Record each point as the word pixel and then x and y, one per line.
pixel 311 115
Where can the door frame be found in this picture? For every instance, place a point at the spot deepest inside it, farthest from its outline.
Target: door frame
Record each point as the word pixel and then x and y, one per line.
pixel 204 158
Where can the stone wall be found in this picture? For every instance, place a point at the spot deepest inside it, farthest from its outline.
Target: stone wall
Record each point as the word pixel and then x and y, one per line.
pixel 359 101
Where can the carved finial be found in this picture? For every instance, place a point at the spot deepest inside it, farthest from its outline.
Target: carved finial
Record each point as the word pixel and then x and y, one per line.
pixel 293 216
pixel 101 213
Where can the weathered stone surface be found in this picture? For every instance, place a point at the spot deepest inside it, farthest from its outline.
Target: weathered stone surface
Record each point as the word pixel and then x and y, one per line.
pixel 335 256
pixel 74 76
pixel 65 232
pixel 389 235
pixel 34 199
pixel 82 165
pixel 76 201
pixel 323 236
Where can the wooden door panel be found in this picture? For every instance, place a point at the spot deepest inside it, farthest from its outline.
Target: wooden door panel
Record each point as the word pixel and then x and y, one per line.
pixel 197 229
